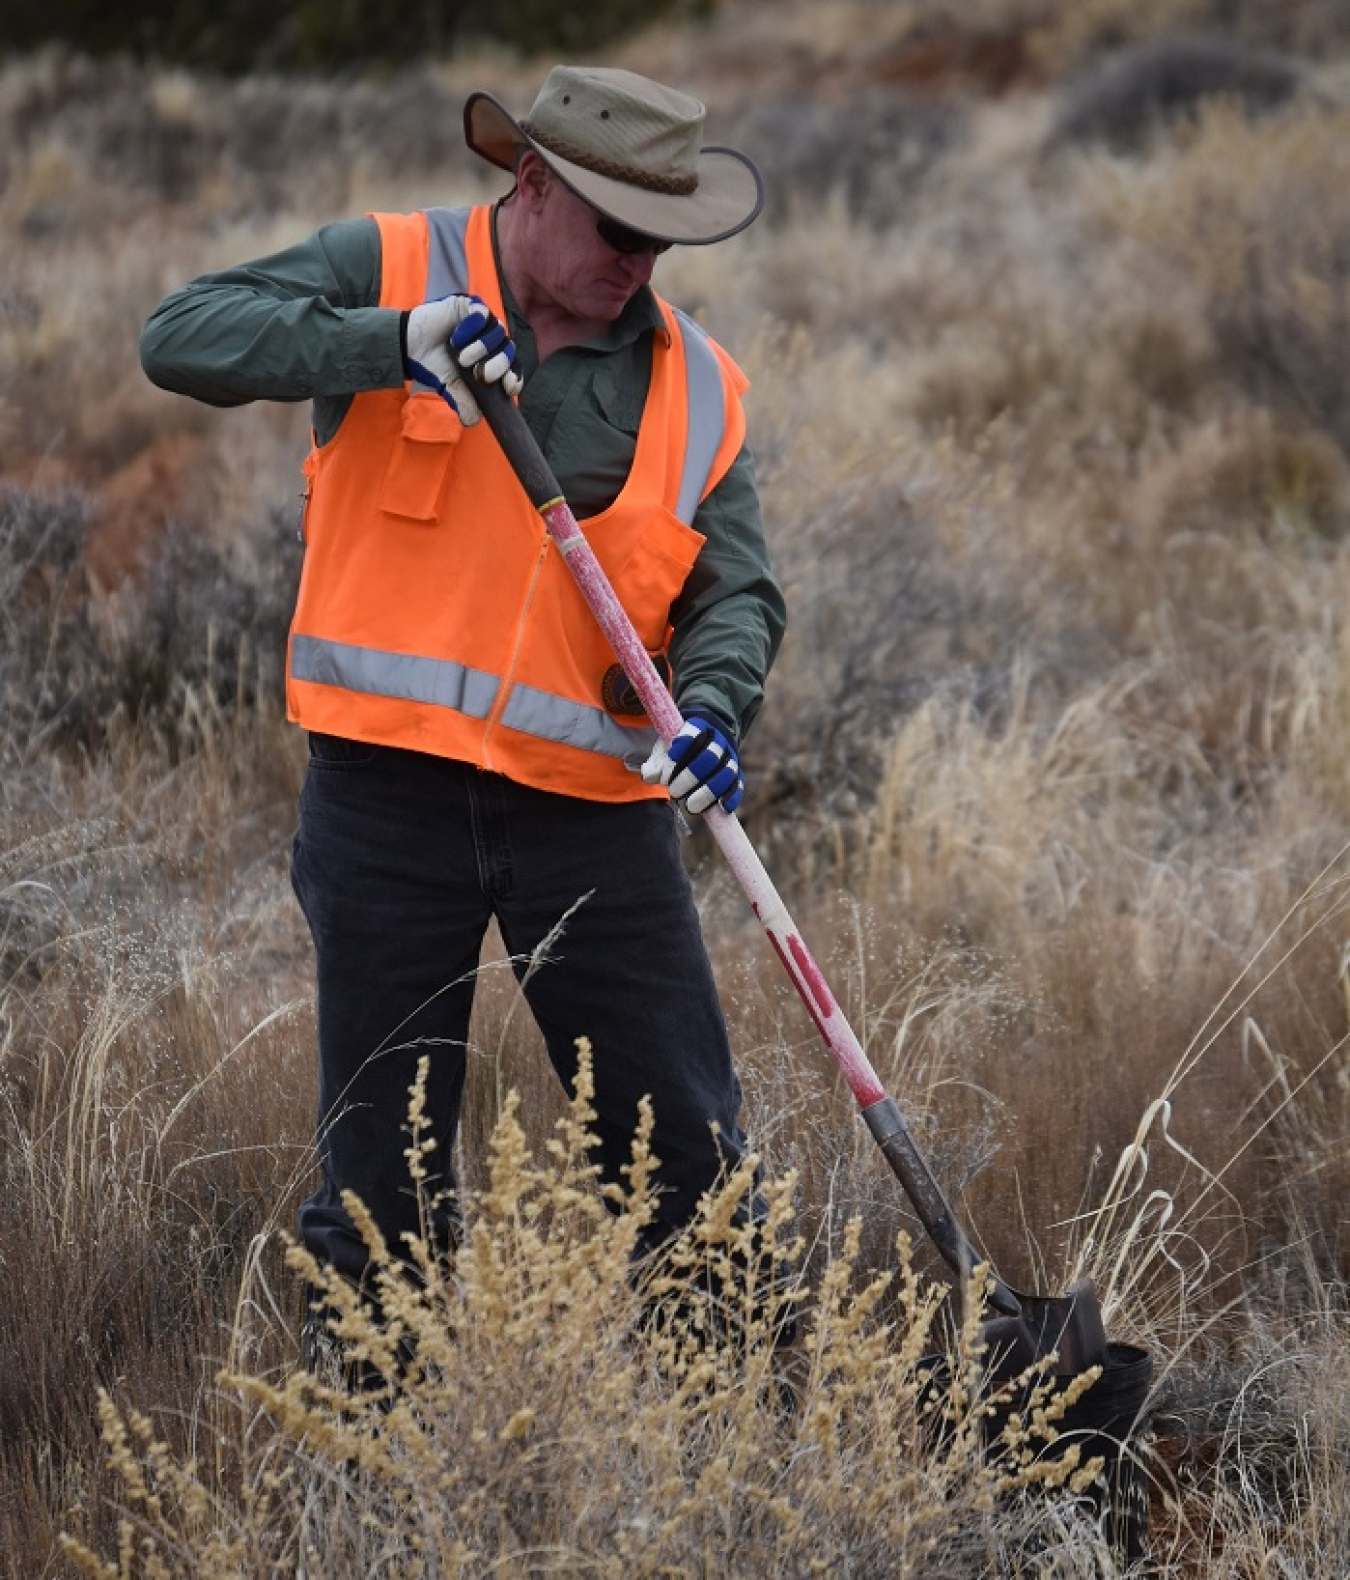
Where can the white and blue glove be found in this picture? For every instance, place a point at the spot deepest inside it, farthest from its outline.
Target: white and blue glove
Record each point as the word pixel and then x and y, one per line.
pixel 698 767
pixel 457 335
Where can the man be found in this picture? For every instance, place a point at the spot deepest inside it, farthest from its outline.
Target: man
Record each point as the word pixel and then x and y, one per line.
pixel 475 751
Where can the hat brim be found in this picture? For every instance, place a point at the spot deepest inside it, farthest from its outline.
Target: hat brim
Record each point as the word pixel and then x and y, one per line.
pixel 729 195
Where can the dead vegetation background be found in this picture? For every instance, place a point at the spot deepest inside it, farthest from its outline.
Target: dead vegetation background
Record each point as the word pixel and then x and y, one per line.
pixel 1047 326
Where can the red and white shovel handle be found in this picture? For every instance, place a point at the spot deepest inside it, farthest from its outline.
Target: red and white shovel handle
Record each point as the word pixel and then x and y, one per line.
pixel 883 1118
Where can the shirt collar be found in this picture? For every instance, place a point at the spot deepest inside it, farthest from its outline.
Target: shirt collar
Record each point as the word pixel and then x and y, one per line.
pixel 640 315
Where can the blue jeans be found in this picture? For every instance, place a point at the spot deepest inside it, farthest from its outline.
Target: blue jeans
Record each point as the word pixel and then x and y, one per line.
pixel 400 862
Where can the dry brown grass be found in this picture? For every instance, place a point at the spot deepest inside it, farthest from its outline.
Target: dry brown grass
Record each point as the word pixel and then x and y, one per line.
pixel 544 1424
pixel 1054 451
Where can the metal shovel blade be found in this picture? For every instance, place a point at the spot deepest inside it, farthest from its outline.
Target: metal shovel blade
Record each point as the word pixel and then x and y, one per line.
pixel 1027 1327
pixel 1068 1326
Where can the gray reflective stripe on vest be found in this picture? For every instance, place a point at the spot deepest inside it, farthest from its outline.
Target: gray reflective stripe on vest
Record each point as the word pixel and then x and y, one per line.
pixel 551 718
pixel 444 684
pixel 447 262
pixel 406 676
pixel 707 402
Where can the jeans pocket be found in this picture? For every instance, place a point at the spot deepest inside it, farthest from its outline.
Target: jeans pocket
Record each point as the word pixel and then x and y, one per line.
pixel 337 752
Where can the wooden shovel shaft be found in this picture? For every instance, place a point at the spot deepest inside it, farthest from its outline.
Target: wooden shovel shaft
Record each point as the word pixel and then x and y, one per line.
pixel 883 1117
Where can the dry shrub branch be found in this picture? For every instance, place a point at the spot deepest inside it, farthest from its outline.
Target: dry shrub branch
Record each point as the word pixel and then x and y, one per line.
pixel 550 1405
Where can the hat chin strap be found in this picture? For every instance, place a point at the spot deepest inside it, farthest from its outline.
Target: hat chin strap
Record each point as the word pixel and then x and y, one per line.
pixel 674 186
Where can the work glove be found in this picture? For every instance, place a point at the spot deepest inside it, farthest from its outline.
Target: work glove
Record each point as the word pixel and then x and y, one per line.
pixel 698 767
pixel 445 339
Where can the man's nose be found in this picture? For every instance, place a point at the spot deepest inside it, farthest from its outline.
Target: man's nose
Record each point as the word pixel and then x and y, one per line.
pixel 639 266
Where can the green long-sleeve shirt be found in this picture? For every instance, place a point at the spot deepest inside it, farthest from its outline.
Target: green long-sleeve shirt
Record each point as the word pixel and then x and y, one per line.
pixel 305 324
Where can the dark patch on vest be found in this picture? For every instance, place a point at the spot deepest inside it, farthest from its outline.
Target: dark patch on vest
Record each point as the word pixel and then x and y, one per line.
pixel 619 695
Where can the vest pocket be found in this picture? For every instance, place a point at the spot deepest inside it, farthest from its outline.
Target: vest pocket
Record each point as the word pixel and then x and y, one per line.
pixel 649 577
pixel 414 480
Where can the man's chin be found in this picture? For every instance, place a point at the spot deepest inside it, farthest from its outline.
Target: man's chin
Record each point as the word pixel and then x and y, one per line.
pixel 610 304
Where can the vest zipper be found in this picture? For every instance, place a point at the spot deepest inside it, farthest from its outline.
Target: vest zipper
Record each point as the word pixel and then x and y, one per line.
pixel 509 674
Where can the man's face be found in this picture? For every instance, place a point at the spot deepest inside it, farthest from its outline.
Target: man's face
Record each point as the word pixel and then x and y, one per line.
pixel 580 271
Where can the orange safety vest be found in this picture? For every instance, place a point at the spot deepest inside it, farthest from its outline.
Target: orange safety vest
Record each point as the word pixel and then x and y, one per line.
pixel 434 611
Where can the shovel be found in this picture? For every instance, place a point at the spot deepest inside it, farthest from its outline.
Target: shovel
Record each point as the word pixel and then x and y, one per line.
pixel 1027 1327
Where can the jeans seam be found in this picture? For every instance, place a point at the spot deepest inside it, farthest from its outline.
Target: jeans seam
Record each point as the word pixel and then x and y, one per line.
pixel 491 839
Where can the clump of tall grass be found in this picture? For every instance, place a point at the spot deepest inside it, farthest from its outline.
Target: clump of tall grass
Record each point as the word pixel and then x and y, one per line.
pixel 137 1064
pixel 1240 208
pixel 1250 1424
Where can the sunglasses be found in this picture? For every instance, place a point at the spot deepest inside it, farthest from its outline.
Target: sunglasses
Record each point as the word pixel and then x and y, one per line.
pixel 628 242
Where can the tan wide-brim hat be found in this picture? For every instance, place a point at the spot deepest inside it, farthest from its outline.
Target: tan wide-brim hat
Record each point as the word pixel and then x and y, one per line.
pixel 630 147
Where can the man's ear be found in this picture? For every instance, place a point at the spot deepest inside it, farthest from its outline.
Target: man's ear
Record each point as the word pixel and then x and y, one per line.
pixel 533 179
